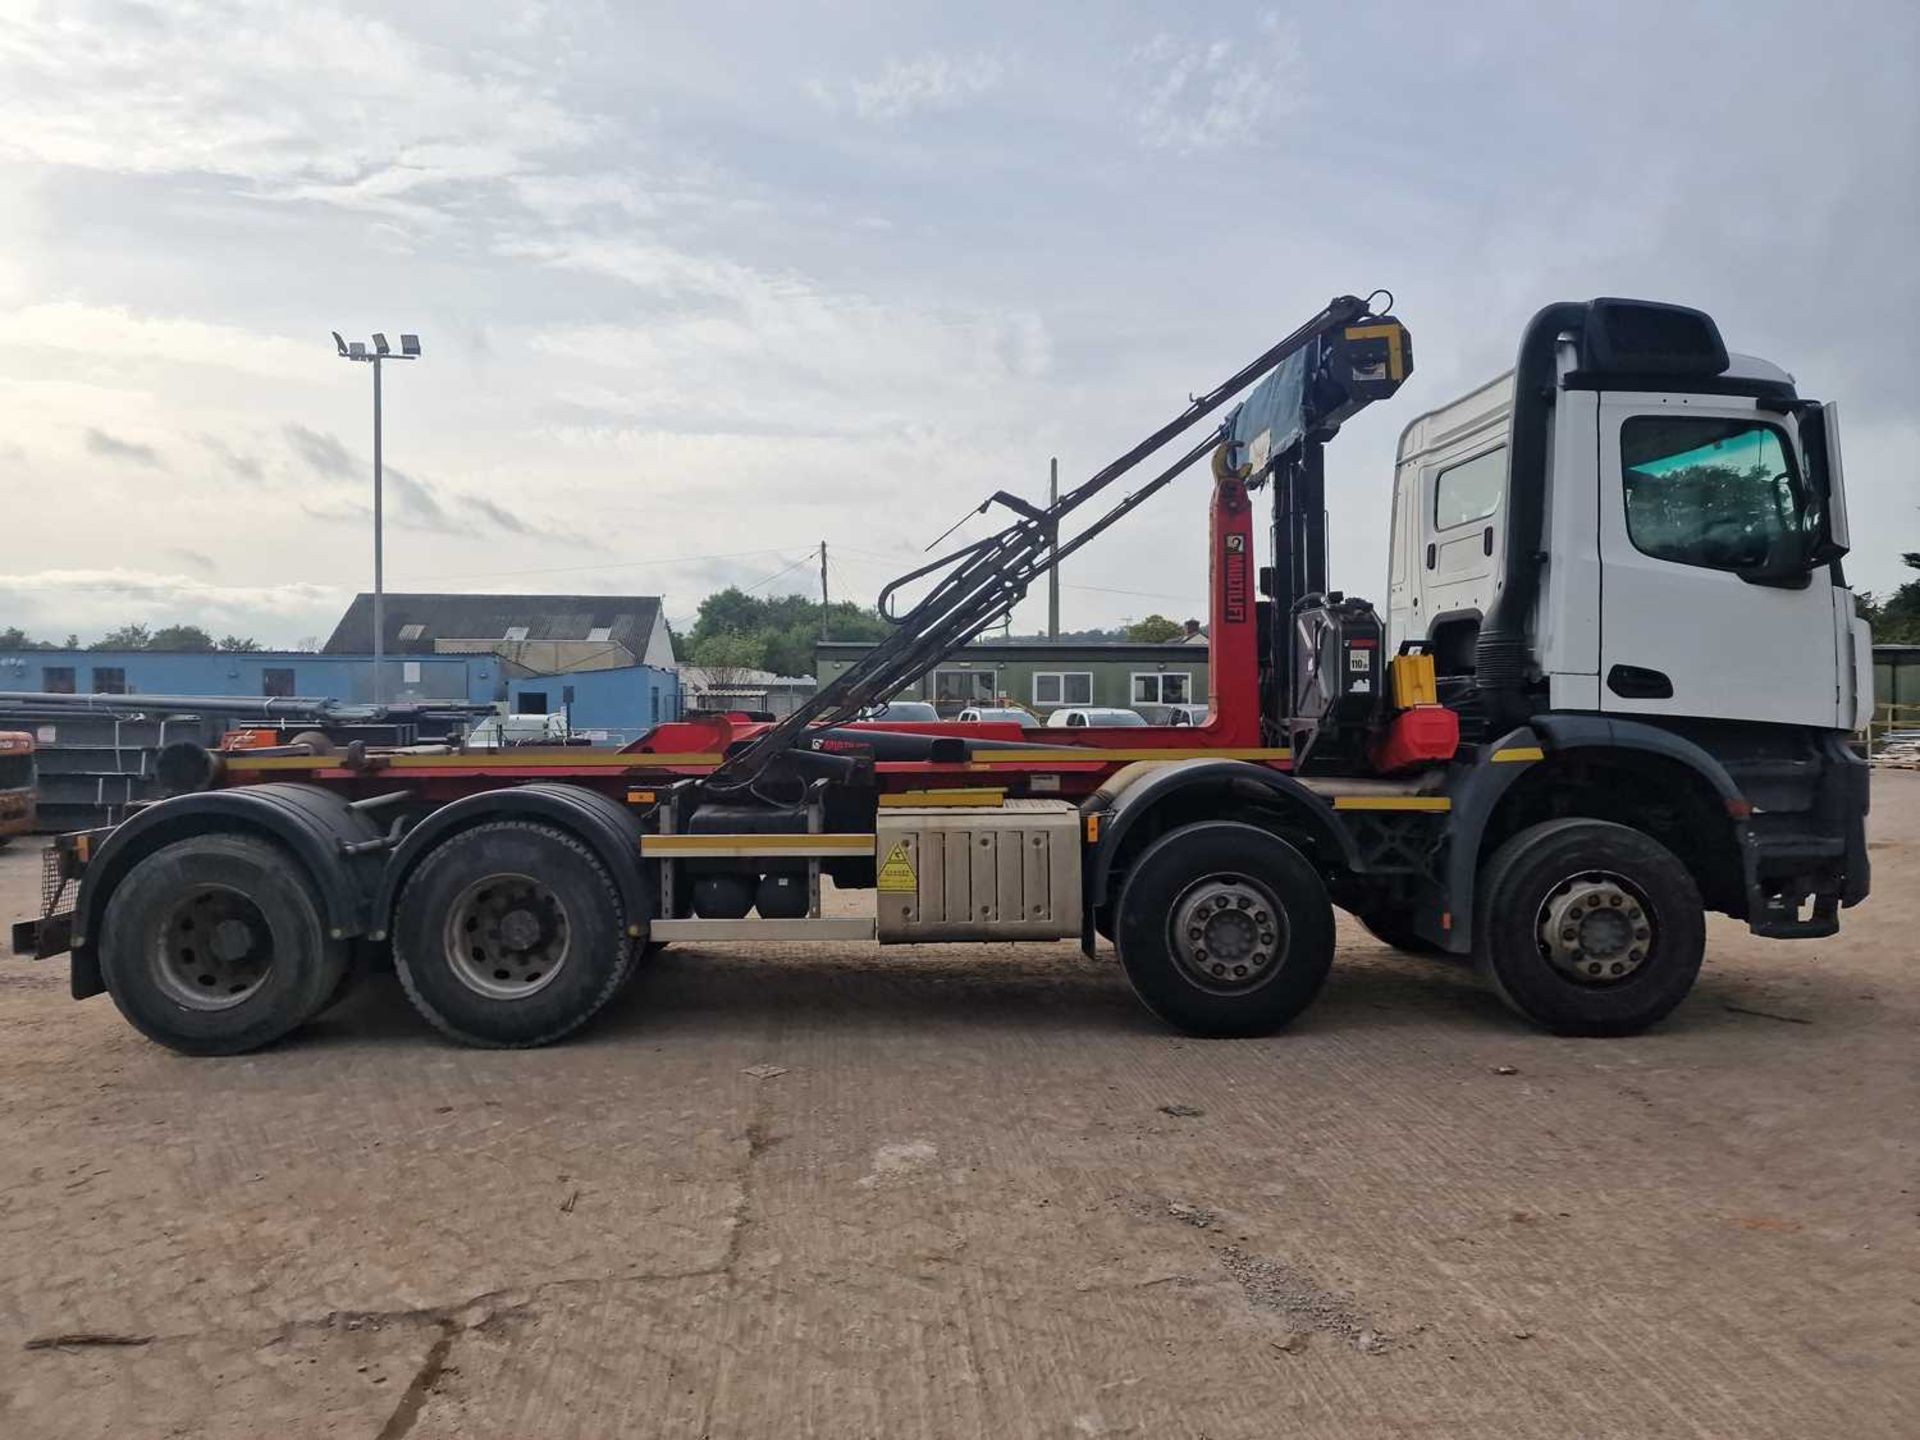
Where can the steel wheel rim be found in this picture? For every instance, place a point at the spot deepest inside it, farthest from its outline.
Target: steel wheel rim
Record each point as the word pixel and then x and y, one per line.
pixel 507 937
pixel 214 949
pixel 1228 934
pixel 1596 928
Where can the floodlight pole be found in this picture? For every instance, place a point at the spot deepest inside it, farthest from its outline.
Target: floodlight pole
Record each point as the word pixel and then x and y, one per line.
pixel 380 351
pixel 379 569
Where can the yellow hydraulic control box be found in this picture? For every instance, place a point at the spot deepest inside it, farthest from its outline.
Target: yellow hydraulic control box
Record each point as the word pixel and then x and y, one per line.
pixel 1413 682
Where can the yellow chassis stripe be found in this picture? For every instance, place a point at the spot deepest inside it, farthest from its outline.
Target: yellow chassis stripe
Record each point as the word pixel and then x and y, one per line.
pixel 502 759
pixel 1392 802
pixel 1516 754
pixel 601 759
pixel 957 798
pixel 671 845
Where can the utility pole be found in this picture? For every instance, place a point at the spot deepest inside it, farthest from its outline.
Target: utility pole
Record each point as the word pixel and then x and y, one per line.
pixel 823 590
pixel 381 351
pixel 1053 574
pixel 379 566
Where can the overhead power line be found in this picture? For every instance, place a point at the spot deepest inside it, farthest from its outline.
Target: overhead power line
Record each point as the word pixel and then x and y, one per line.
pixel 610 565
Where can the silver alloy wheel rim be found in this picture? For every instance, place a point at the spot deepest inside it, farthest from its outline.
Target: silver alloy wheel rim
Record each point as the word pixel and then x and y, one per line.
pixel 214 949
pixel 1595 928
pixel 507 937
pixel 1228 933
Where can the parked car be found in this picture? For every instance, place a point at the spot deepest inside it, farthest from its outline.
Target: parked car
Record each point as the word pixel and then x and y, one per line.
pixel 1173 714
pixel 1079 716
pixel 1000 714
pixel 503 732
pixel 902 712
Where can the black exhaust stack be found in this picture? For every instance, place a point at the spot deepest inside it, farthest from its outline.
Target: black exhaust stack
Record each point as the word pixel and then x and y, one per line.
pixel 1627 344
pixel 1502 656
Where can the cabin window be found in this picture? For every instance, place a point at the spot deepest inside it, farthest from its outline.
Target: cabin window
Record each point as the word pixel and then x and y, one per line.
pixel 963 687
pixel 1470 490
pixel 1162 687
pixel 1719 493
pixel 1063 687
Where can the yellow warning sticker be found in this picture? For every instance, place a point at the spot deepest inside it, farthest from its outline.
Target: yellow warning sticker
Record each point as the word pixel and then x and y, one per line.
pixel 896 875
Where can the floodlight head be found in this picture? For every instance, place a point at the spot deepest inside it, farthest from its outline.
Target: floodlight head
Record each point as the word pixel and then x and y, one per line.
pixel 357 350
pixel 409 344
pixel 380 343
pixel 339 344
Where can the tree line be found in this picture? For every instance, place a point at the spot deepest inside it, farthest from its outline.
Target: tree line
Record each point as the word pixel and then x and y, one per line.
pixel 1895 620
pixel 190 639
pixel 734 631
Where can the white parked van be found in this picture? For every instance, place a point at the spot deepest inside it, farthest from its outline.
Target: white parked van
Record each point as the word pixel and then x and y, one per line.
pixel 1079 716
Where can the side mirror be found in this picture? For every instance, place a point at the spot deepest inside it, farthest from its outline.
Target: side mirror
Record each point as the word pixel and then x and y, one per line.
pixel 1820 443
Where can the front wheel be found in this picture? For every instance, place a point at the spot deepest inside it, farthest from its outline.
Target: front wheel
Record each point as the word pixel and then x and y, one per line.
pixel 1589 928
pixel 1224 929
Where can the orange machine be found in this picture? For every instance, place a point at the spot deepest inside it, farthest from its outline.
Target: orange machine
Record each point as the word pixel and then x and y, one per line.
pixel 18 808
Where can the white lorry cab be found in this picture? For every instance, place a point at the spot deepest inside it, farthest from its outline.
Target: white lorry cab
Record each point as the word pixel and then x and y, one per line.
pixel 1673 552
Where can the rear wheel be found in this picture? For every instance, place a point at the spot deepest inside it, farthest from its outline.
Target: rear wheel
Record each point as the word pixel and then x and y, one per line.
pixel 1589 928
pixel 215 945
pixel 511 934
pixel 1224 929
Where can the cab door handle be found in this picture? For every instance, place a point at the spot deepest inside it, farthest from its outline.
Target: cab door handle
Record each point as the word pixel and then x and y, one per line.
pixel 1633 682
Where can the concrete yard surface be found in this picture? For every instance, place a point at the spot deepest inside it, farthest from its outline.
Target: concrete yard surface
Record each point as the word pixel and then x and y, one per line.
pixel 977 1191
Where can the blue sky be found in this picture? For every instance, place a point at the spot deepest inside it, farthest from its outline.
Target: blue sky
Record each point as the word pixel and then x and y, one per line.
pixel 703 285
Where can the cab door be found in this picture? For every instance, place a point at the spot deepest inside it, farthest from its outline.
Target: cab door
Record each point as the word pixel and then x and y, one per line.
pixel 1703 612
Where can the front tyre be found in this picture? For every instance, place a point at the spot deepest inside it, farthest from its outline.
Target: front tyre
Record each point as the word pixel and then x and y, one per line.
pixel 1589 928
pixel 215 945
pixel 511 934
pixel 1224 929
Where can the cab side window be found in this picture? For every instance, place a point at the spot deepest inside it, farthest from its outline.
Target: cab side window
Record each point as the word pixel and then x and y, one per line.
pixel 1470 490
pixel 1718 493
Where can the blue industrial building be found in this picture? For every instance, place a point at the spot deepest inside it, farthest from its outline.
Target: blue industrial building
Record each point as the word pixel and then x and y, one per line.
pixel 604 660
pixel 614 704
pixel 345 678
pixel 611 705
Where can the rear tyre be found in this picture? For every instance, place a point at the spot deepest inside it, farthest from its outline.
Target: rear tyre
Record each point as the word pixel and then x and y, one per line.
pixel 215 945
pixel 1224 929
pixel 1589 928
pixel 1394 929
pixel 510 935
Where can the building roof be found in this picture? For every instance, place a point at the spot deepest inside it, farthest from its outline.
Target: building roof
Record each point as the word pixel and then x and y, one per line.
pixel 414 622
pixel 739 680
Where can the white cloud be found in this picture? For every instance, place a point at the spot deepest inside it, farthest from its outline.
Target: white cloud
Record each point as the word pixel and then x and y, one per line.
pixel 292 96
pixel 745 351
pixel 50 603
pixel 1217 94
pixel 907 87
pixel 116 333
